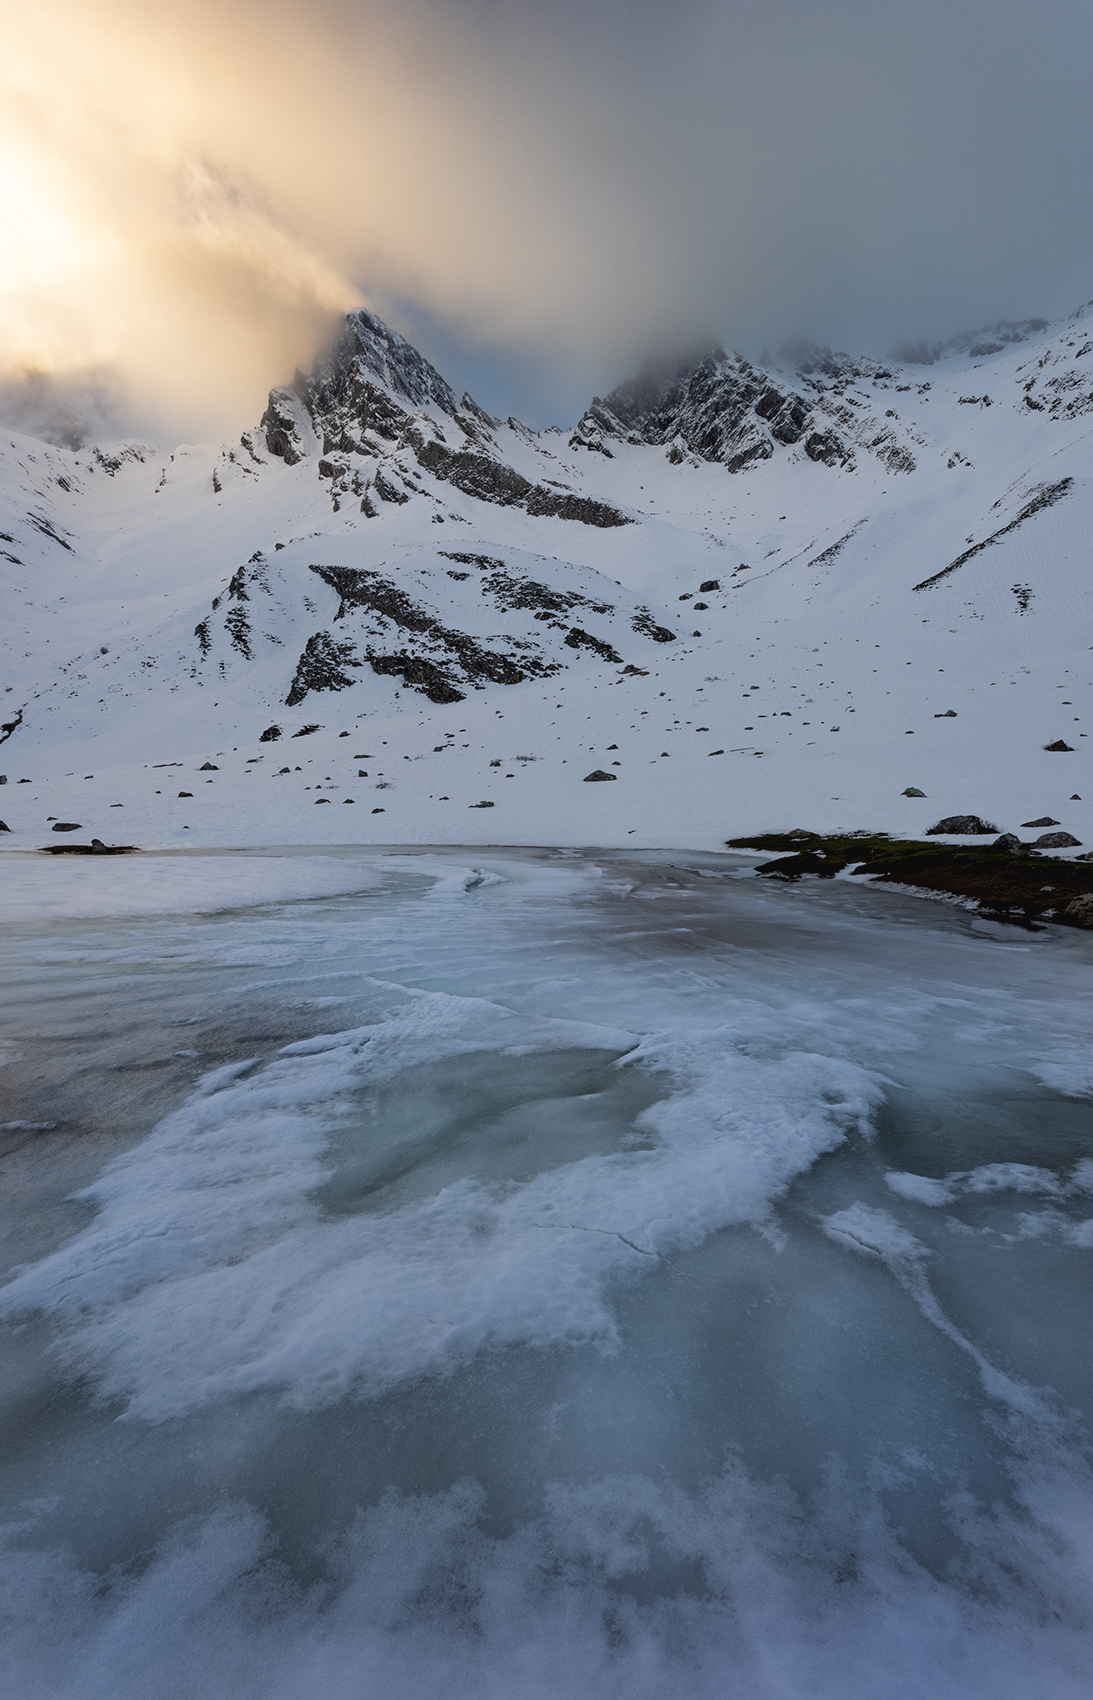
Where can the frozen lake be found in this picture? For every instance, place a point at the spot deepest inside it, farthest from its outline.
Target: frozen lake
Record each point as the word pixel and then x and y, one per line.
pixel 539 1274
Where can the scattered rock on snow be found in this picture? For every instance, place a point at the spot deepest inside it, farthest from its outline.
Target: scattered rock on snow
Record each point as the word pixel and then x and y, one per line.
pixel 208 767
pixel 471 805
pixel 1009 841
pixel 598 773
pixel 1059 744
pixel 971 825
pixel 1044 820
pixel 66 826
pixel 912 791
pixel 949 714
pixel 270 734
pixel 1056 841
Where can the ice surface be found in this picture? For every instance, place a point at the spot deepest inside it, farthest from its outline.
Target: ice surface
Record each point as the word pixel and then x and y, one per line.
pixel 539 1276
pixel 167 885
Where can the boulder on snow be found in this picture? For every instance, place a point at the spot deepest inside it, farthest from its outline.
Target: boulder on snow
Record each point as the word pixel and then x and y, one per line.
pixel 1056 841
pixel 1059 744
pixel 598 773
pixel 709 584
pixel 181 794
pixel 970 825
pixel 270 734
pixel 949 714
pixel 1044 820
pixel 4 827
pixel 66 826
pixel 1009 841
pixel 1080 910
pixel 208 767
pixel 912 791
pixel 471 805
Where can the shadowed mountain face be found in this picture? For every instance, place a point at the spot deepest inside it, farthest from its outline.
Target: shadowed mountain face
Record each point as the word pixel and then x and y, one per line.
pixel 737 586
pixel 716 406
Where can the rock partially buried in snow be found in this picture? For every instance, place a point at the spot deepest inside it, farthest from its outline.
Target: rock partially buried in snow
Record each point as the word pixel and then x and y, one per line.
pixel 471 805
pixel 598 773
pixel 1056 841
pixel 4 827
pixel 970 825
pixel 208 767
pixel 270 733
pixel 1059 744
pixel 66 826
pixel 1009 841
pixel 912 791
pixel 1044 820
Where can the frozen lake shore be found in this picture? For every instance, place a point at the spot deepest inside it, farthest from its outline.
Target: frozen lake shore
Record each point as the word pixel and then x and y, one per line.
pixel 536 1272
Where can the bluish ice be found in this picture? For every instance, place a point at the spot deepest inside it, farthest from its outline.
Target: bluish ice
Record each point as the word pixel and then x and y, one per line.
pixel 541 1274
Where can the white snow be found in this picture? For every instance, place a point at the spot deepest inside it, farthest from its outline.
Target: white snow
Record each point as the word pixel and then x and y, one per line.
pixel 819 689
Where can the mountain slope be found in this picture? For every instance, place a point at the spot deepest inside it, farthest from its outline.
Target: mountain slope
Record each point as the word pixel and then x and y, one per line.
pixel 758 596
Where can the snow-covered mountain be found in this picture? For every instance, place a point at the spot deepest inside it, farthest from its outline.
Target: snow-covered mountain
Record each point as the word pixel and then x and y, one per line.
pixel 737 590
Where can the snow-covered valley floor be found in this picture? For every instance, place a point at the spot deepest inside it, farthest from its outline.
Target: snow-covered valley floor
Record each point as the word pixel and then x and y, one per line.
pixel 531 1274
pixel 445 622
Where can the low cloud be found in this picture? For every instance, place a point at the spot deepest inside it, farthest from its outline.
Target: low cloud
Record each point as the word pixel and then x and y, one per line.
pixel 191 193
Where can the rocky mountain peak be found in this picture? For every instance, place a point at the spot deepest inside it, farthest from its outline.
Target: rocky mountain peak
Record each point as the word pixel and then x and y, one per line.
pixel 368 347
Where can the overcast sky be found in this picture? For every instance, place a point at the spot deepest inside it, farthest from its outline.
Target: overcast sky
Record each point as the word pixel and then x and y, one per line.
pixel 540 192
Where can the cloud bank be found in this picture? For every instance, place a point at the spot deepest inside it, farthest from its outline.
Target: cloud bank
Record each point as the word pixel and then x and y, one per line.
pixel 191 192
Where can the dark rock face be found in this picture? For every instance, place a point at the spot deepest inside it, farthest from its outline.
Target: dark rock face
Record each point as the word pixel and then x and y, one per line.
pixel 281 424
pixel 912 791
pixel 971 825
pixel 825 447
pixel 579 639
pixel 66 826
pixel 713 405
pixel 490 480
pixel 367 346
pixel 368 590
pixel 349 400
pixel 321 667
pixel 418 674
pixel 4 827
pixel 598 774
pixel 1044 820
pixel 1059 744
pixel 1056 841
pixel 270 735
pixel 709 584
pixel 208 767
pixel 644 623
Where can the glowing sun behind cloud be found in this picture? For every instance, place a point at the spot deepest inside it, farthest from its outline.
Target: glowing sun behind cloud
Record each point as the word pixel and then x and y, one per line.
pixel 192 190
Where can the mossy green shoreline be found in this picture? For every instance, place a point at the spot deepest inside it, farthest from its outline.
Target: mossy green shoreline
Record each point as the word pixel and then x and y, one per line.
pixel 1023 888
